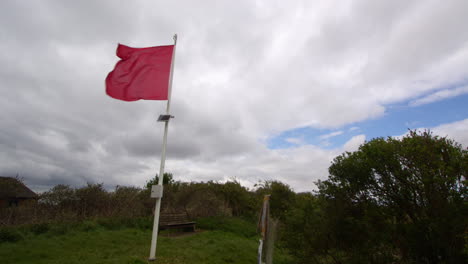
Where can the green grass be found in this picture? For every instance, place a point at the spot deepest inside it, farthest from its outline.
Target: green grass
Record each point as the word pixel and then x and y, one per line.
pixel 95 243
pixel 236 225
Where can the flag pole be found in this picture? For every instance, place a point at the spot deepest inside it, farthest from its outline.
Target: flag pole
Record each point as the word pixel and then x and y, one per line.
pixel 159 187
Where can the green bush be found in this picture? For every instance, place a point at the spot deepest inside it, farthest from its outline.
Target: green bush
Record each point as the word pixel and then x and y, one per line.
pixel 143 223
pixel 9 235
pixel 110 223
pixel 41 228
pixel 119 223
pixel 235 225
pixel 88 226
pixel 397 200
pixel 61 228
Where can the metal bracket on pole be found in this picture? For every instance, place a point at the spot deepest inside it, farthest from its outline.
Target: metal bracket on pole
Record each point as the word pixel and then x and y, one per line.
pixel 164 118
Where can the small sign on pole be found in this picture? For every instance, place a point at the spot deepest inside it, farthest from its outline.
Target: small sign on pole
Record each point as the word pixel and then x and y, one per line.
pixel 156 191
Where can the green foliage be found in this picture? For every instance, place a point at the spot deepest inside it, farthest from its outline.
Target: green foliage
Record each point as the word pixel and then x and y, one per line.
pixel 8 234
pixel 40 228
pixel 14 234
pixel 119 223
pixel 63 203
pixel 282 197
pixel 93 198
pixel 302 227
pixel 167 179
pixel 59 229
pixel 235 225
pixel 130 245
pixel 398 201
pixel 236 197
pixel 59 195
pixel 392 201
pixel 130 202
pixel 203 199
pixel 87 226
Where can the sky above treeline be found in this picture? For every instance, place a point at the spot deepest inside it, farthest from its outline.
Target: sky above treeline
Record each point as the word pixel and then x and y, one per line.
pixel 262 90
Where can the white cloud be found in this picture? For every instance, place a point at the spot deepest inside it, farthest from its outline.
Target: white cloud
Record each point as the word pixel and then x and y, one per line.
pixel 439 95
pixel 244 70
pixel 354 143
pixel 295 140
pixel 330 135
pixel 457 131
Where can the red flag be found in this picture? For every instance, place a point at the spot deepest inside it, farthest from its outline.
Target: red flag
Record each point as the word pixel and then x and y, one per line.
pixel 142 73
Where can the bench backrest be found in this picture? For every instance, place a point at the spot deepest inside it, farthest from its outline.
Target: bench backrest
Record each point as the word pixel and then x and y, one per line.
pixel 173 218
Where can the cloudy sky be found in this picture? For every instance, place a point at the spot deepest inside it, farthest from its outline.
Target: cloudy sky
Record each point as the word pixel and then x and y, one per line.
pixel 262 89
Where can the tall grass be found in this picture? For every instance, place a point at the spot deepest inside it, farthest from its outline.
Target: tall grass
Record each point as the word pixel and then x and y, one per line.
pixel 17 233
pixel 223 240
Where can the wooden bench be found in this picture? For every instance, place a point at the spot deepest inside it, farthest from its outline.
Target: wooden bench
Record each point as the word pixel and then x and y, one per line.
pixel 176 221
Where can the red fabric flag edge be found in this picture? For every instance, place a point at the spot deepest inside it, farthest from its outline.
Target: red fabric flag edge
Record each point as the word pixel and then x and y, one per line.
pixel 141 74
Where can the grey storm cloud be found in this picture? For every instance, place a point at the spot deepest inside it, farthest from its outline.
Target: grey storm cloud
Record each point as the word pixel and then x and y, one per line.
pixel 245 71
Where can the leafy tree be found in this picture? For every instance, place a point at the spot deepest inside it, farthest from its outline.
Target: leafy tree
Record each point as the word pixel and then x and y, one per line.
pixel 127 201
pixel 93 199
pixel 167 179
pixel 236 197
pixel 302 229
pixel 281 200
pixel 399 200
pixel 59 195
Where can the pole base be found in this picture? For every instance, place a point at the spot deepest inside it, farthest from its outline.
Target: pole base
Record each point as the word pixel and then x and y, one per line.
pixel 151 259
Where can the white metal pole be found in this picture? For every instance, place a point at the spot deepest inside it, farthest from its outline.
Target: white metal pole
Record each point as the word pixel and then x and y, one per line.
pixel 157 209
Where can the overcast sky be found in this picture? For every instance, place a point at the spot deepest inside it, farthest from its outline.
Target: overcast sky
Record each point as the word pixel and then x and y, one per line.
pixel 262 90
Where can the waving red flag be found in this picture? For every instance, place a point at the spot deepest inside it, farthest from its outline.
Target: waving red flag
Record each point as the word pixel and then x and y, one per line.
pixel 142 73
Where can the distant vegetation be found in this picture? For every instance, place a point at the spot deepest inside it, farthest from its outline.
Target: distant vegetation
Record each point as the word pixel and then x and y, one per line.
pixel 392 201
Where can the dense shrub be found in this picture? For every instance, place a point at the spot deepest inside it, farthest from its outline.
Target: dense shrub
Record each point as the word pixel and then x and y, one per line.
pixel 40 228
pixel 244 227
pixel 392 201
pixel 282 197
pixel 9 234
pixel 93 203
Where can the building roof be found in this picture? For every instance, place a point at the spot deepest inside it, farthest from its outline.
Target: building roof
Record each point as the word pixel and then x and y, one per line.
pixel 14 188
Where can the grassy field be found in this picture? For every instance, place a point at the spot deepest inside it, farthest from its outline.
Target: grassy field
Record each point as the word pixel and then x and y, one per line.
pixel 229 241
